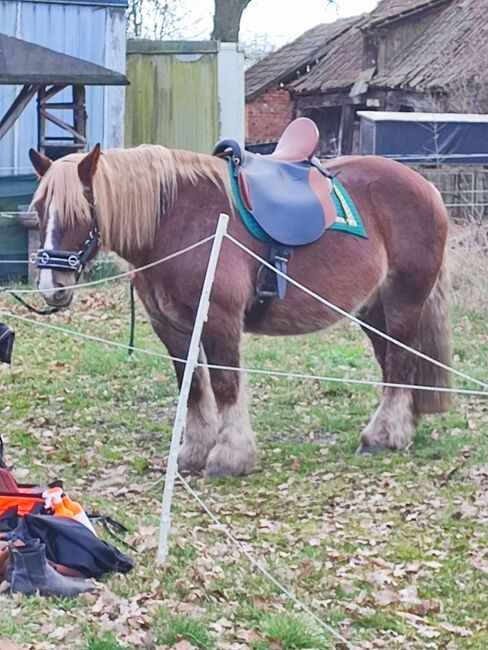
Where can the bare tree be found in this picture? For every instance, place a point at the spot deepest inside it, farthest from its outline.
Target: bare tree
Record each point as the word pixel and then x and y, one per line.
pixel 227 19
pixel 155 19
pixel 166 19
pixel 256 47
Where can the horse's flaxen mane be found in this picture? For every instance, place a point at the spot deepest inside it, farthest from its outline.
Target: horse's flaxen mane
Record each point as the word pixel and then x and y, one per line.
pixel 133 189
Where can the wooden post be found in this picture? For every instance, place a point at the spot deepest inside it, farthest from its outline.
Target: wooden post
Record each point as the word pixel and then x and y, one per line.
pixel 346 129
pixel 79 111
pixel 77 130
pixel 41 121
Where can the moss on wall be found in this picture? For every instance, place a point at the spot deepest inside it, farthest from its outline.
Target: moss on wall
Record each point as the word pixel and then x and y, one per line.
pixel 173 97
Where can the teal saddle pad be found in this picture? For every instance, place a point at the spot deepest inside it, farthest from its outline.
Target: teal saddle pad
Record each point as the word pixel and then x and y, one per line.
pixel 347 217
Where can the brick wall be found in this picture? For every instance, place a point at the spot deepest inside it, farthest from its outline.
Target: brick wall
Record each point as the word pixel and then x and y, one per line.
pixel 268 114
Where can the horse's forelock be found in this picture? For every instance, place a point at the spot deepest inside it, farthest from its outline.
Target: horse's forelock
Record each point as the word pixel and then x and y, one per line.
pixel 61 186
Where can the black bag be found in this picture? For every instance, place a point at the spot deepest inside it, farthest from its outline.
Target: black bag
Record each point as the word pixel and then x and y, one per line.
pixel 70 543
pixel 7 337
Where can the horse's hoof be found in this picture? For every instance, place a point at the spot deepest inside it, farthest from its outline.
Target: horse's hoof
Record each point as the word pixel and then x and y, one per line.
pixel 223 462
pixel 217 470
pixel 365 448
pixel 191 461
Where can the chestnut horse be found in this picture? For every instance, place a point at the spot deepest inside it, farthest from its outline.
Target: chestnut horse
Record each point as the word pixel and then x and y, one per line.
pixel 151 201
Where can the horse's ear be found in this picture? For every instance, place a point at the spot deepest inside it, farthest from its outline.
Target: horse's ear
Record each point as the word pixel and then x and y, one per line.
pixel 88 166
pixel 40 163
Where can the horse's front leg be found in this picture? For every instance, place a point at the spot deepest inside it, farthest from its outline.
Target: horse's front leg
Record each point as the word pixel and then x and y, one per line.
pixel 202 424
pixel 234 453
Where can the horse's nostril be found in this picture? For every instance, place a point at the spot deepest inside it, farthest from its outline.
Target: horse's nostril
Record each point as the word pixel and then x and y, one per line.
pixel 58 295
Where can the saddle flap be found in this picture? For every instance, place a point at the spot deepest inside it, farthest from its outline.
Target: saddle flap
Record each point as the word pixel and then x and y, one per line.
pixel 290 201
pixel 321 186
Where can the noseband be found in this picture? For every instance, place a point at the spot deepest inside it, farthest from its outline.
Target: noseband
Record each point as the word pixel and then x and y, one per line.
pixel 69 260
pixel 74 261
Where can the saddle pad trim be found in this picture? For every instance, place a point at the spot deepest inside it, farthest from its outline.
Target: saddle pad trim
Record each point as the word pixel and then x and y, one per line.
pixel 347 217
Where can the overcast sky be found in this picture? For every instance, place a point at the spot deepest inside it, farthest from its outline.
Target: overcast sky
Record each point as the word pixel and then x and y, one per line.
pixel 284 20
pixel 278 21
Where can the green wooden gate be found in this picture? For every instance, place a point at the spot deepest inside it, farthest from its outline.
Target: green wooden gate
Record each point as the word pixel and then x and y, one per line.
pixel 14 191
pixel 173 97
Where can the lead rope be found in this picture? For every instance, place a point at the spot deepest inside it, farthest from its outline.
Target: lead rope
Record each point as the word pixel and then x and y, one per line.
pixel 54 310
pixel 35 310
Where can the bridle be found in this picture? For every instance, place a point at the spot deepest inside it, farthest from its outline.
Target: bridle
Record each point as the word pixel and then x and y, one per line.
pixel 74 261
pixel 70 260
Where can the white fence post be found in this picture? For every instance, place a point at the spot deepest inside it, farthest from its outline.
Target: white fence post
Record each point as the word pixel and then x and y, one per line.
pixel 181 410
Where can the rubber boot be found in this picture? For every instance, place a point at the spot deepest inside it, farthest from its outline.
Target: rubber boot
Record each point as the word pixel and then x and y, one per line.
pixel 4 560
pixel 32 574
pixel 33 544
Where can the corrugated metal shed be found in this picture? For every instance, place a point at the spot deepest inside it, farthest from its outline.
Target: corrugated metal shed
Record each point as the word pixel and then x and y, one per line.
pixel 84 29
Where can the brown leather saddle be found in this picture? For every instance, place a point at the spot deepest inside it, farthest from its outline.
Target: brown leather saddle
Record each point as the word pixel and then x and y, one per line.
pixel 287 192
pixel 283 198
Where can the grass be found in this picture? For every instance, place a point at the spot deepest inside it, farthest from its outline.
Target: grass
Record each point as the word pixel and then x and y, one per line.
pixel 289 632
pixel 173 629
pixel 389 550
pixel 104 642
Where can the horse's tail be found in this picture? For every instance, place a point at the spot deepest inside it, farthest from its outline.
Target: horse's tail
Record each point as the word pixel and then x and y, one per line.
pixel 435 342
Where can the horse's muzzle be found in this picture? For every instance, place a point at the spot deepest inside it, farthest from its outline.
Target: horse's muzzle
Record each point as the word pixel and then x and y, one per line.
pixel 57 296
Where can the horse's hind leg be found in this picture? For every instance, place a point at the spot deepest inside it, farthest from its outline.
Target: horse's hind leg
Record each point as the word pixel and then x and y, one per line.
pixel 373 314
pixel 394 423
pixel 235 451
pixel 202 424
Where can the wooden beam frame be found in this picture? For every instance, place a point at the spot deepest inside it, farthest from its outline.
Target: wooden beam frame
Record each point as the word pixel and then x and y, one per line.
pixel 20 102
pixel 77 130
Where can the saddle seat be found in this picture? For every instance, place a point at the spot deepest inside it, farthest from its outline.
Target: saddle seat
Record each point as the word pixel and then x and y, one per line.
pixel 287 192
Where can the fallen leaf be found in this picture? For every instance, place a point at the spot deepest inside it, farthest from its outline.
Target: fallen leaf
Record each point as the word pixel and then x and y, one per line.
pixel 183 645
pixel 479 563
pixel 455 629
pixel 385 597
pixel 5 644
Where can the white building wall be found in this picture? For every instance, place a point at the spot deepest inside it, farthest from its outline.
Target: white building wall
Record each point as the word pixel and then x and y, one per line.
pixel 231 91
